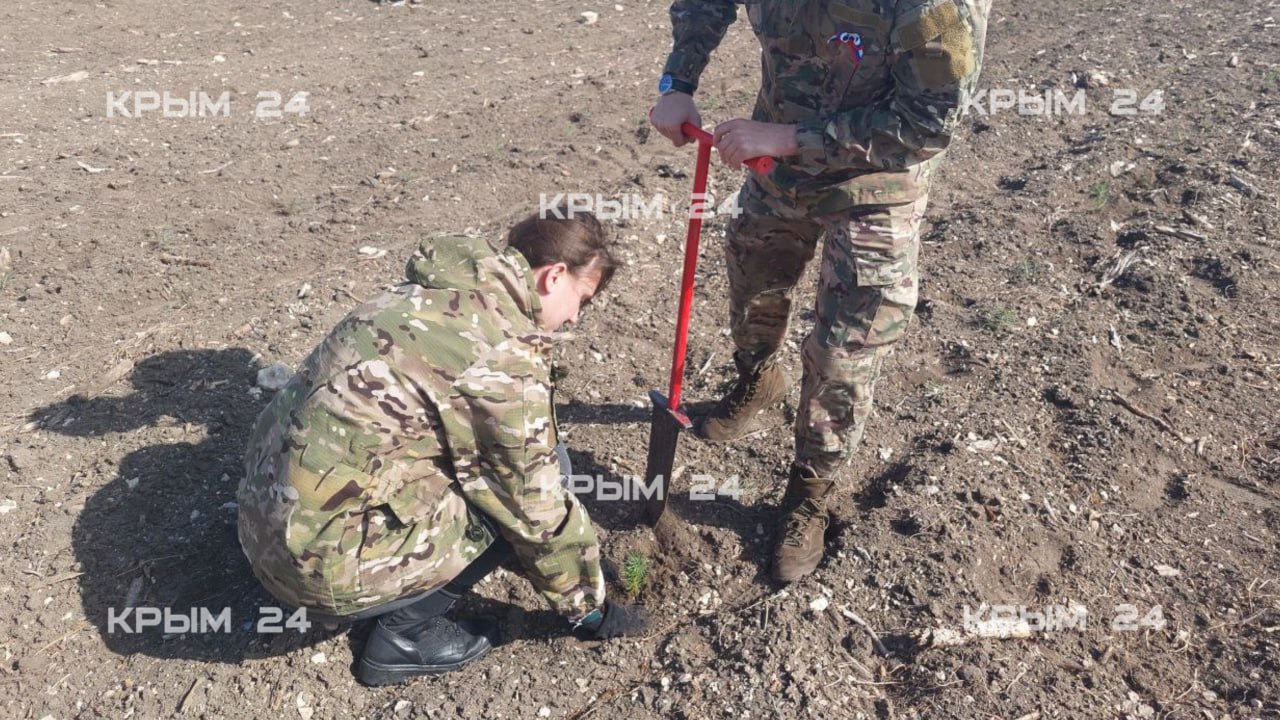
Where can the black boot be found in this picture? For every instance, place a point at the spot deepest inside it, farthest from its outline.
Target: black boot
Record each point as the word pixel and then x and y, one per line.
pixel 419 640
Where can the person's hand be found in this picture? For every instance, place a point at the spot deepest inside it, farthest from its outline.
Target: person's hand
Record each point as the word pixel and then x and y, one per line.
pixel 673 110
pixel 741 140
pixel 615 620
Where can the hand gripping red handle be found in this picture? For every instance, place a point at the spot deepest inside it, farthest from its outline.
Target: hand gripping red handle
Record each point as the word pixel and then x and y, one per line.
pixel 762 164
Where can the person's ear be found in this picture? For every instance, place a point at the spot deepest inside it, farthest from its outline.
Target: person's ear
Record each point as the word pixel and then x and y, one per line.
pixel 550 277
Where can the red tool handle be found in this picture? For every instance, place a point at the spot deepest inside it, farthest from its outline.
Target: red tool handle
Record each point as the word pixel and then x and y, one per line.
pixel 696 207
pixel 762 164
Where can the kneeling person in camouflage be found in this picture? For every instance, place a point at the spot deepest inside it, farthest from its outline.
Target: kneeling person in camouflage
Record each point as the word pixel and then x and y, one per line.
pixel 859 100
pixel 415 450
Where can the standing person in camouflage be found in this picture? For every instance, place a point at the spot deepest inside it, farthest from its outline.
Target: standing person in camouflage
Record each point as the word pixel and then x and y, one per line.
pixel 415 450
pixel 858 102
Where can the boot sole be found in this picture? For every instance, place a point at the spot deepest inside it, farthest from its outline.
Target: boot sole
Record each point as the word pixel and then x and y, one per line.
pixel 375 674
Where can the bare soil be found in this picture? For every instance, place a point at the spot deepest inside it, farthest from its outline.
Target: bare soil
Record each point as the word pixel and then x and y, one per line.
pixel 1084 414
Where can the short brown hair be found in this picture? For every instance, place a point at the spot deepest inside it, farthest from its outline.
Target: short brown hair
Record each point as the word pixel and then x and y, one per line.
pixel 572 237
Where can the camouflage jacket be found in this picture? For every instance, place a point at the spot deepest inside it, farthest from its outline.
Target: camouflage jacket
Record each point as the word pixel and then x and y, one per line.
pixel 418 427
pixel 876 87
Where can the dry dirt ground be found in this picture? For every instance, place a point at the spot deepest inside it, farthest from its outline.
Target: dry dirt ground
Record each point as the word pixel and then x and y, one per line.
pixel 1083 416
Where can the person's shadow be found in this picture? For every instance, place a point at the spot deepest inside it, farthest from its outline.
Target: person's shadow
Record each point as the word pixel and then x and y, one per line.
pixel 158 542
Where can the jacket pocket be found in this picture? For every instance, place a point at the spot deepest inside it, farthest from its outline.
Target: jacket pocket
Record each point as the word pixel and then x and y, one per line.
pixel 855 15
pixel 413 489
pixel 319 500
pixel 409 546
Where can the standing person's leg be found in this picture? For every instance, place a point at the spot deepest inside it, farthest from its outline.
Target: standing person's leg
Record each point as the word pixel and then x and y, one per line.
pixel 867 295
pixel 768 246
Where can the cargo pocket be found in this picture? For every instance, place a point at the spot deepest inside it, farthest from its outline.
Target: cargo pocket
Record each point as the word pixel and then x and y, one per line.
pixel 867 294
pixel 415 491
pixel 874 268
pixel 404 533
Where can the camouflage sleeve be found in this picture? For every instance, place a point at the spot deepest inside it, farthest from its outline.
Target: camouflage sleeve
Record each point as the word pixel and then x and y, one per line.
pixel 697 27
pixel 939 45
pixel 512 475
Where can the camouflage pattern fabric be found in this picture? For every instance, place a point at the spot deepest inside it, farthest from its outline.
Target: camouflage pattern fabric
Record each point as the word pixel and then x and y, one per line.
pixel 876 87
pixel 867 292
pixel 418 428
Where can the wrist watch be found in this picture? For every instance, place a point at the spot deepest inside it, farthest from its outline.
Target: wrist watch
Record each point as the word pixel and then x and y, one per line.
pixel 668 84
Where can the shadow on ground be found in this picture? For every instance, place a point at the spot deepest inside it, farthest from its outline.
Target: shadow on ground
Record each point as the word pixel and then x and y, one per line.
pixel 161 534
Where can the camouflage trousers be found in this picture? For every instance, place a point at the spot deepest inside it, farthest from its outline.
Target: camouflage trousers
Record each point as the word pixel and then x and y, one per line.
pixel 867 291
pixel 379 571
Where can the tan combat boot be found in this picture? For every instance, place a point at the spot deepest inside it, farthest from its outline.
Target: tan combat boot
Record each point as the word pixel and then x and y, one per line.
pixel 758 387
pixel 800 543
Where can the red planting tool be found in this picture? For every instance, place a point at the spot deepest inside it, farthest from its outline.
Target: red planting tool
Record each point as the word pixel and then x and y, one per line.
pixel 668 420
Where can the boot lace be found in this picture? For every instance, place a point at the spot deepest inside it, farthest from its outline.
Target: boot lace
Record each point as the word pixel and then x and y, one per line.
pixel 798 521
pixel 743 392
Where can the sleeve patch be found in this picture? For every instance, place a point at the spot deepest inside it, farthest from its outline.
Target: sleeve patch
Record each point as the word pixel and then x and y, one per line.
pixel 930 24
pixel 941 46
